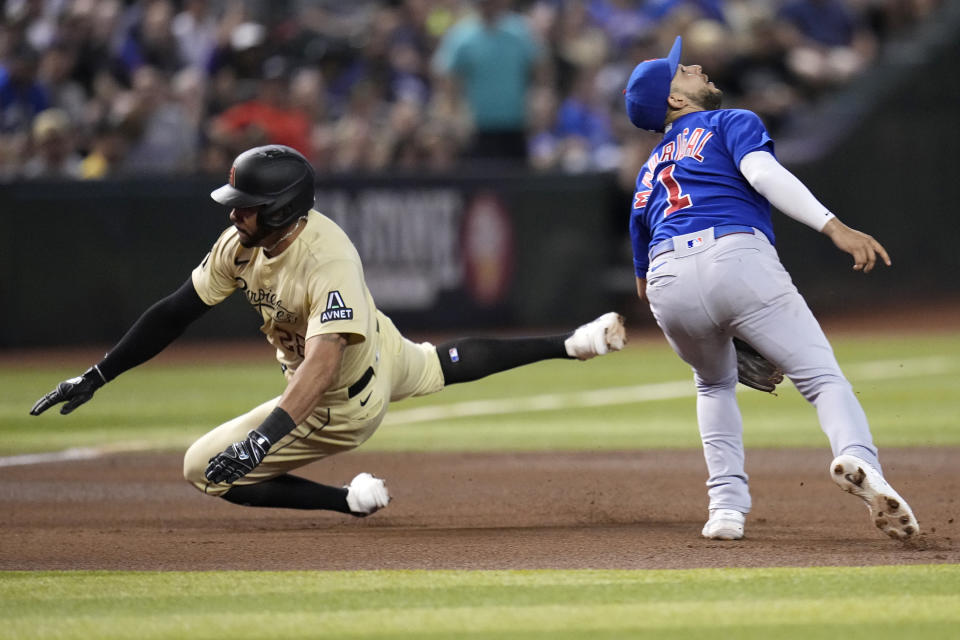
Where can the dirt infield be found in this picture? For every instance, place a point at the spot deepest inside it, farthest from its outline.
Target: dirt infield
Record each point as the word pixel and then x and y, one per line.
pixel 634 510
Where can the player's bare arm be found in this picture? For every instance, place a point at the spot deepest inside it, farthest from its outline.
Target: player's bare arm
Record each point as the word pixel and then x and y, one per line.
pixel 321 362
pixel 863 247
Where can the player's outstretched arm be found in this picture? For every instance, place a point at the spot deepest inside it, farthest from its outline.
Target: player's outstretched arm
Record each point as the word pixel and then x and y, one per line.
pixel 864 248
pixel 159 325
pixel 74 392
pixel 789 195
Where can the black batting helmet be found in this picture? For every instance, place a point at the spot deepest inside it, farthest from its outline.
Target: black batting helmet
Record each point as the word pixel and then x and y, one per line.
pixel 275 178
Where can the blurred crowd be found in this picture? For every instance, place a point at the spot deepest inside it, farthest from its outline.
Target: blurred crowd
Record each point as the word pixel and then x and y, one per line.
pixel 98 88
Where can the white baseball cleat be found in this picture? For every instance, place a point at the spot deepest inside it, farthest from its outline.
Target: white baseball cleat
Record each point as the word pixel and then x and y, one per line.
pixel 724 524
pixel 598 337
pixel 891 513
pixel 366 493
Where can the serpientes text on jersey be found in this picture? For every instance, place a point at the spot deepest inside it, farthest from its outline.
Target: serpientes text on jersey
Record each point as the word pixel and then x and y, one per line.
pixel 267 303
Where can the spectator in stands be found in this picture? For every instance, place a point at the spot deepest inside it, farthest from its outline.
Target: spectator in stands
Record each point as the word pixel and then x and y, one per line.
pixel 214 160
pixel 268 118
pixel 449 110
pixel 577 42
pixel 149 39
pixel 760 80
pixel 361 67
pixel 106 93
pixel 308 95
pixel 54 152
pixel 106 152
pixel 242 47
pixel 160 132
pixel 543 143
pixel 584 128
pixel 350 138
pixel 826 41
pixel 408 77
pixel 493 57
pixel 88 28
pixel 56 73
pixel 196 30
pixel 21 95
pixel 399 145
pixel 308 92
pixel 439 143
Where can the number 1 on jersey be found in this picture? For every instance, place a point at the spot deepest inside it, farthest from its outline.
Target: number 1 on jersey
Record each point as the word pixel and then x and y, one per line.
pixel 675 196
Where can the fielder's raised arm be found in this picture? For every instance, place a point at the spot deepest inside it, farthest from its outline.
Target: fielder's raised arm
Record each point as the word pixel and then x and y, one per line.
pixel 788 194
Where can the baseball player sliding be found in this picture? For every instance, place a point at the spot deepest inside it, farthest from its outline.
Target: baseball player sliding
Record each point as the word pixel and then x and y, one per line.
pixel 705 261
pixel 343 359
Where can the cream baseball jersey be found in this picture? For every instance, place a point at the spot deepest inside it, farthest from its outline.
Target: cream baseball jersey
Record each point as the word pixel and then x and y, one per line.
pixel 314 286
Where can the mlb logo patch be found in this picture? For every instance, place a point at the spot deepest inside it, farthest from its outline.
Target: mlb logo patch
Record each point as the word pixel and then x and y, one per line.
pixel 454 355
pixel 695 242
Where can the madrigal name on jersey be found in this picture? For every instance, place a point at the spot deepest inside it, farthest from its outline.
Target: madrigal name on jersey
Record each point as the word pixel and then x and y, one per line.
pixel 686 145
pixel 336 308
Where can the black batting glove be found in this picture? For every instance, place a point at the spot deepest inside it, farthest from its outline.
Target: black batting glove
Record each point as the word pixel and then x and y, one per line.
pixel 239 459
pixel 74 392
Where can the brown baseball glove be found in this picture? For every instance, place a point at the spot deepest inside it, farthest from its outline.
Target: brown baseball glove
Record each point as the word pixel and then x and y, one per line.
pixel 754 370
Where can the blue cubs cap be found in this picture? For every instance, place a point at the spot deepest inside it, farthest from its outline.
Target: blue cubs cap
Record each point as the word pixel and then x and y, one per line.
pixel 648 89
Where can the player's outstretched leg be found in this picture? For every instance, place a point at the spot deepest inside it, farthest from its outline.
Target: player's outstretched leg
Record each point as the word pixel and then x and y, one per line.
pixel 467 359
pixel 890 513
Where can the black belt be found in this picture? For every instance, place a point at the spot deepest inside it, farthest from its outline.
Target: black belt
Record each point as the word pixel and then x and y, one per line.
pixel 358 386
pixel 364 380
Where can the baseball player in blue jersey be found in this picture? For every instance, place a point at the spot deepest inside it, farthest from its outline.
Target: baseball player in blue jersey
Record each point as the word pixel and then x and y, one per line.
pixel 705 261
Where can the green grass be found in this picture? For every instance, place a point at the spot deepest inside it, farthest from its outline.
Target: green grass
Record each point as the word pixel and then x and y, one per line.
pixel 911 401
pixel 872 602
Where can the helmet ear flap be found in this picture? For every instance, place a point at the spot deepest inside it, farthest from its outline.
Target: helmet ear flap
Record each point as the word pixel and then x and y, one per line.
pixel 276 217
pixel 294 202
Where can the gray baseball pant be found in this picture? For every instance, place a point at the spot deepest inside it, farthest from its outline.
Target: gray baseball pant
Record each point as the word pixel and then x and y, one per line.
pixel 736 286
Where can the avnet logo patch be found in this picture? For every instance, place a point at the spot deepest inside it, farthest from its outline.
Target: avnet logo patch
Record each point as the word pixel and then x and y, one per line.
pixel 336 308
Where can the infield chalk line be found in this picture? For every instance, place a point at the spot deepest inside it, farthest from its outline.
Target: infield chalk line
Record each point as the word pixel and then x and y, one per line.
pixel 75 453
pixel 875 370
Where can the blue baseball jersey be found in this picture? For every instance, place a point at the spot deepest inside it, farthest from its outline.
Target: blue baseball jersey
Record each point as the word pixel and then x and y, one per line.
pixel 692 180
